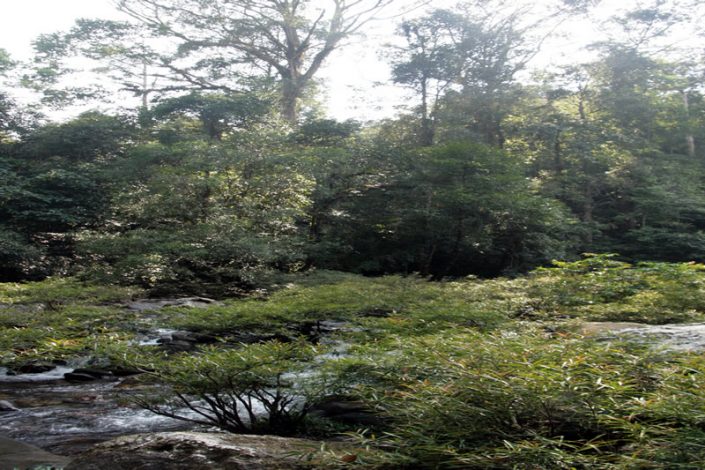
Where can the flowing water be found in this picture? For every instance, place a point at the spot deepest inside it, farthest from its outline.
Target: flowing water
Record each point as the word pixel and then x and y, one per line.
pixel 689 337
pixel 66 418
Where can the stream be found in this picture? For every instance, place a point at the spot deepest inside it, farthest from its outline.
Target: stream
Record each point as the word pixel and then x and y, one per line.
pixel 675 338
pixel 67 418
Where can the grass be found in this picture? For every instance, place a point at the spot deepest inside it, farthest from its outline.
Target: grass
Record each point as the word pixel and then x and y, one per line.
pixel 466 373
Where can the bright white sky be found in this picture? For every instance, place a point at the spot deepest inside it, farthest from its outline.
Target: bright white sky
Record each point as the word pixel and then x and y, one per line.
pixel 356 78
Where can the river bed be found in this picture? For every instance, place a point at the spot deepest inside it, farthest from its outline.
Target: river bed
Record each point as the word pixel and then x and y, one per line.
pixel 67 418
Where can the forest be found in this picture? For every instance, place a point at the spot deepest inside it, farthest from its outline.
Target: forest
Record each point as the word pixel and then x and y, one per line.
pixel 457 273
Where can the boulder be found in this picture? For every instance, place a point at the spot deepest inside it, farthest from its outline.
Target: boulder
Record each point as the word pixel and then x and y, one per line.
pixel 79 377
pixel 120 371
pixel 35 368
pixel 156 304
pixel 192 337
pixel 197 451
pixel 346 410
pixel 97 373
pixel 255 338
pixel 175 346
pixel 7 406
pixel 18 455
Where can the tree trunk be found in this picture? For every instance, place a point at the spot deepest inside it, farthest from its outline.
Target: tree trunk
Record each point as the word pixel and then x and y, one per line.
pixel 689 138
pixel 427 131
pixel 290 105
pixel 292 90
pixel 588 211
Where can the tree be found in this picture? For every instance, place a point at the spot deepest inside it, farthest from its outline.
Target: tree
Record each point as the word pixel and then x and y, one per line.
pixel 5 101
pixel 466 61
pixel 217 113
pixel 447 210
pixel 426 65
pixel 192 213
pixel 53 184
pixel 13 118
pixel 290 39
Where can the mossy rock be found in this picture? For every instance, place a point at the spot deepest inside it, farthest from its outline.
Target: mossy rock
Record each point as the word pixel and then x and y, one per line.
pixel 199 451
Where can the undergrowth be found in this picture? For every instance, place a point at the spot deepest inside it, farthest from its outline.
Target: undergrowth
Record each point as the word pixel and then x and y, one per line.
pixel 464 373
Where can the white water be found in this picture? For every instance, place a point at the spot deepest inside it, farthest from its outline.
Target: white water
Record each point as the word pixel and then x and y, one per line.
pixel 54 374
pixel 153 338
pixel 688 337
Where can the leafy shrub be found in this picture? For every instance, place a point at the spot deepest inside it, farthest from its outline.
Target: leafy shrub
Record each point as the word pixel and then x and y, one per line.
pixel 57 291
pixel 469 400
pixel 409 301
pixel 256 389
pixel 599 287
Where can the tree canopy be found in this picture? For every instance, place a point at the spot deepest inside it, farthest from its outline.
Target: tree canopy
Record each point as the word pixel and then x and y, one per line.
pixel 488 171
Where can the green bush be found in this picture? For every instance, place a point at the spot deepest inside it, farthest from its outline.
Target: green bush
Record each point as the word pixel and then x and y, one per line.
pixel 601 288
pixel 470 400
pixel 255 389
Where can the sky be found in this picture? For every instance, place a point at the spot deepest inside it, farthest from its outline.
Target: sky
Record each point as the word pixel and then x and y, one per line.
pixel 356 78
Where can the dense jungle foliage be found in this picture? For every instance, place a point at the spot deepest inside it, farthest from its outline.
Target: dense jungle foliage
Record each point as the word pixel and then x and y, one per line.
pixel 211 188
pixel 438 268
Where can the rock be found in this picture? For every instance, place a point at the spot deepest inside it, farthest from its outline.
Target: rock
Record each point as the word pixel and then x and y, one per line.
pixel 130 382
pixel 156 304
pixel 179 346
pixel 35 368
pixel 78 377
pixel 182 341
pixel 97 373
pixel 345 410
pixel 378 313
pixel 7 406
pixel 191 337
pixel 120 371
pixel 196 451
pixel 18 455
pixel 254 338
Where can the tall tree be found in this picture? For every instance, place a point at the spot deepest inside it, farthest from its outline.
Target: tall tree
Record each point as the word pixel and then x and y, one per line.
pixel 5 101
pixel 288 38
pixel 473 54
pixel 427 65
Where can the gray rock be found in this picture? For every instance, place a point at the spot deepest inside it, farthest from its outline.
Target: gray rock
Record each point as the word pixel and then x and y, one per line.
pixel 97 373
pixel 35 368
pixel 156 304
pixel 191 337
pixel 197 451
pixel 79 377
pixel 175 346
pixel 7 406
pixel 120 371
pixel 346 410
pixel 18 455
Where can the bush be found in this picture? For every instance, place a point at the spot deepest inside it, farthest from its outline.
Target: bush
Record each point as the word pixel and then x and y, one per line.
pixel 469 400
pixel 601 288
pixel 255 389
